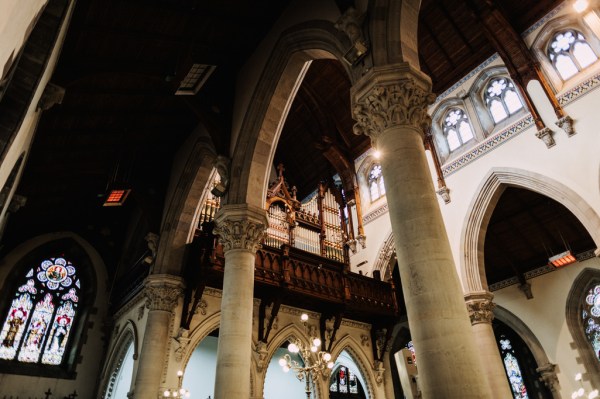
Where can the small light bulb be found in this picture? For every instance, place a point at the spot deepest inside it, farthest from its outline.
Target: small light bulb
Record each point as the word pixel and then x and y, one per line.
pixel 313 348
pixel 580 5
pixel 574 395
pixel 166 394
pixel 187 394
pixel 316 342
pixel 179 373
pixel 330 365
pixel 282 362
pixel 327 357
pixel 377 154
pixel 304 317
pixel 293 348
pixel 286 369
pixel 578 377
pixel 593 394
pixel 580 392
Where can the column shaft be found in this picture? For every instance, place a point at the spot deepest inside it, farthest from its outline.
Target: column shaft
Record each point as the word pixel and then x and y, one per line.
pixel 235 334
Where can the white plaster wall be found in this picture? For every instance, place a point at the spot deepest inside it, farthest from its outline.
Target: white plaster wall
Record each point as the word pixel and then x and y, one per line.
pixel 199 377
pixel 279 384
pixel 17 18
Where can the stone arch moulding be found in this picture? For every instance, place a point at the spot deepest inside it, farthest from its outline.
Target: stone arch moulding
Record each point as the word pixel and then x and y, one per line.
pixel 386 257
pixel 585 280
pixel 270 102
pixel 534 345
pixel 128 335
pixel 349 344
pixel 284 334
pixel 182 204
pixel 482 207
pixel 207 326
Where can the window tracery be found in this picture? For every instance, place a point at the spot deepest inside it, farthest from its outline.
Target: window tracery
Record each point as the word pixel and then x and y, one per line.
pixel 39 320
pixel 501 99
pixel 513 370
pixel 457 129
pixel 590 316
pixel 570 53
pixel 376 184
pixel 345 384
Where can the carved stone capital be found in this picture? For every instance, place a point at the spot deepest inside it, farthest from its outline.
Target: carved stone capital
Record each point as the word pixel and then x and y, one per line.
pixel 548 376
pixel 163 292
pixel 444 193
pixel 566 124
pixel 480 307
pixel 546 136
pixel 240 226
pixel 390 97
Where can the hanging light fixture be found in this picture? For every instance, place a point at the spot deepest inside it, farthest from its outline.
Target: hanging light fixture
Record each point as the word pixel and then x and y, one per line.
pixel 580 5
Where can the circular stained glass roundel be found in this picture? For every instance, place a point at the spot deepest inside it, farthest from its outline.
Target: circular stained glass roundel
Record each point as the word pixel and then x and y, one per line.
pixel 56 273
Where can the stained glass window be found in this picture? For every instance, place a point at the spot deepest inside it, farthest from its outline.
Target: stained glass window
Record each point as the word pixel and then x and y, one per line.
pixel 376 186
pixel 457 128
pixel 345 384
pixel 512 368
pixel 501 99
pixel 591 318
pixel 41 315
pixel 570 53
pixel 411 348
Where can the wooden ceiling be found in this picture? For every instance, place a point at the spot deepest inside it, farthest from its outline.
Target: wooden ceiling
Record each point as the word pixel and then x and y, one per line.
pixel 121 64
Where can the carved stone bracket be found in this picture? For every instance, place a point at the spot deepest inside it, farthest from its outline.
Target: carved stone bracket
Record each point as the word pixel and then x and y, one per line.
pixel 183 341
pixel 480 307
pixel 444 193
pixel 163 292
pixel 259 351
pixel 350 23
pixel 546 136
pixel 362 240
pixel 240 226
pixel 390 97
pixel 526 288
pixel 548 377
pixel 378 370
pixel 566 124
pixel 52 95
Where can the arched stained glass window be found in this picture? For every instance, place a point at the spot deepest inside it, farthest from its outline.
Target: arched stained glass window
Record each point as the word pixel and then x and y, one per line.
pixel 591 319
pixel 457 128
pixel 501 99
pixel 375 180
pixel 513 370
pixel 345 384
pixel 570 53
pixel 40 317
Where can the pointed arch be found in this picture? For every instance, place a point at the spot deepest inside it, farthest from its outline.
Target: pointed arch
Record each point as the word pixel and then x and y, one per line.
pixel 483 204
pixel 587 278
pixel 386 257
pixel 210 324
pixel 128 336
pixel 353 348
pixel 270 103
pixel 181 206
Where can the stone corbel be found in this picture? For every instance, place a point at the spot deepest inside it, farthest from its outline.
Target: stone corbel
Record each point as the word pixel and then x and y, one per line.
pixel 526 288
pixel 378 371
pixel 52 95
pixel 545 135
pixel 182 341
pixel 444 193
pixel 362 240
pixel 480 307
pixel 222 164
pixel 566 124
pixel 548 376
pixel 259 351
pixel 350 23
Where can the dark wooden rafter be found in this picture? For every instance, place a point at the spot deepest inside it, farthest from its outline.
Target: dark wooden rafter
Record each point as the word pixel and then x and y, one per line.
pixel 518 59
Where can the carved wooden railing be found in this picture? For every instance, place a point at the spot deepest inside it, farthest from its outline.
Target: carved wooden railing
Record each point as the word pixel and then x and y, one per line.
pixel 303 273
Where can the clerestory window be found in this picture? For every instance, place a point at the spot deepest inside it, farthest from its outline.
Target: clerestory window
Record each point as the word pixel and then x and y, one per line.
pixel 456 128
pixel 375 181
pixel 501 99
pixel 570 53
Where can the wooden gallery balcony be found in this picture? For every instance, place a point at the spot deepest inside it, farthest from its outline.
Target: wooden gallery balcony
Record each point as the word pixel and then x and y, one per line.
pixel 294 277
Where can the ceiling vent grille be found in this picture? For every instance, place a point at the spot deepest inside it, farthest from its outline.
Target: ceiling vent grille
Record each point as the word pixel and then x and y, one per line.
pixel 195 79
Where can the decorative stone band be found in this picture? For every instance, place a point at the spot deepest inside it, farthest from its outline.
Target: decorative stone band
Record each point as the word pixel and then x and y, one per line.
pixel 163 292
pixel 480 307
pixel 241 226
pixel 391 96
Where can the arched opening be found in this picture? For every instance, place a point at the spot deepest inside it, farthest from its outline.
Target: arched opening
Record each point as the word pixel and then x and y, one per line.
pixel 346 380
pixel 525 231
pixel 122 376
pixel 280 383
pixel 519 364
pixel 200 371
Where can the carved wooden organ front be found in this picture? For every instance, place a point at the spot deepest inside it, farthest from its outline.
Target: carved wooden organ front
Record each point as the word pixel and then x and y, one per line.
pixel 318 225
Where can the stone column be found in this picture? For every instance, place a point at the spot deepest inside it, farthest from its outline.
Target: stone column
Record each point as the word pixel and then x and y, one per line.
pixel 240 229
pixel 390 106
pixel 162 295
pixel 480 307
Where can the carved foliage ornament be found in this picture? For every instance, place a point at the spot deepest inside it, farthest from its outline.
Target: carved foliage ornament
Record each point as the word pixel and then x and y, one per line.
pixel 395 105
pixel 162 297
pixel 240 234
pixel 481 311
